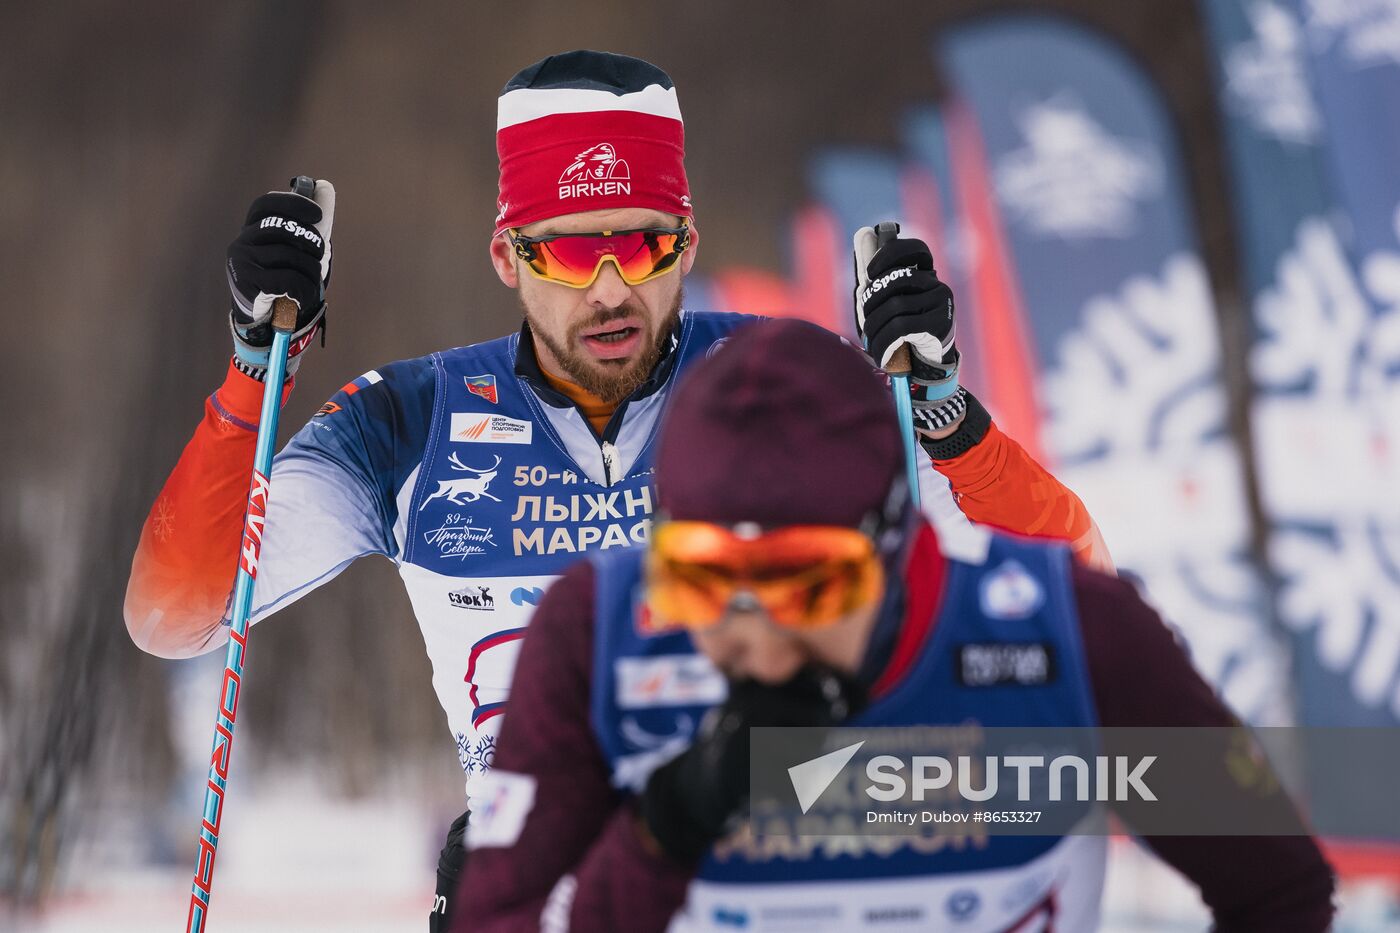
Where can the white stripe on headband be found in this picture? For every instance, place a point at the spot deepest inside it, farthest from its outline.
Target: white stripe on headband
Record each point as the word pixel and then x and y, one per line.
pixel 524 104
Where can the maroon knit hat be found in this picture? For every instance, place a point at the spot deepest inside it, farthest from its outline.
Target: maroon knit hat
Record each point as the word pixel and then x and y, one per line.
pixel 785 424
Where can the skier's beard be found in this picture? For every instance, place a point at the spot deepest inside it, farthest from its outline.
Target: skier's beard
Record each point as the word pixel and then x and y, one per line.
pixel 610 380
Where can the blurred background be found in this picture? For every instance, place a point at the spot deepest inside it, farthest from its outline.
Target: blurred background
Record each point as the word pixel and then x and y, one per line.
pixel 1174 234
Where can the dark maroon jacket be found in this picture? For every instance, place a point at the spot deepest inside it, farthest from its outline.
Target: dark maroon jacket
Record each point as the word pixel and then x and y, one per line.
pixel 581 827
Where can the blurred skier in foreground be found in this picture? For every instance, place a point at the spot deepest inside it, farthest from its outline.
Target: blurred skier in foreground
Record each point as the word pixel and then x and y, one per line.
pixel 789 583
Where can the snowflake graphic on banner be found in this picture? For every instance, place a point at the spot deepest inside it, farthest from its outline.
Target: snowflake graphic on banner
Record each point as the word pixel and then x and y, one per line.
pixel 1314 319
pixel 1137 420
pixel 1140 372
pixel 1266 79
pixel 1368 30
pixel 1343 585
pixel 1381 272
pixel 1327 424
pixel 1072 179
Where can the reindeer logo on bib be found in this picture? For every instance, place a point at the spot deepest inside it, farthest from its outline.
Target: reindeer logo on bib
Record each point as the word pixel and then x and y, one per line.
pixel 465 489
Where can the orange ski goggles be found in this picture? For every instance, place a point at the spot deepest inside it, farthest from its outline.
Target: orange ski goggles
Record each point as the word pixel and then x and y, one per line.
pixel 802 576
pixel 576 259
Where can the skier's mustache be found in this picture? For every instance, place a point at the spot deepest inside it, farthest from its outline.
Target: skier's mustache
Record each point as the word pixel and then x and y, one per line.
pixel 608 316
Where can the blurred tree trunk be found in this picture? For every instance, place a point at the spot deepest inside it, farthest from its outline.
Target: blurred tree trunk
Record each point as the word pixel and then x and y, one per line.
pixel 108 230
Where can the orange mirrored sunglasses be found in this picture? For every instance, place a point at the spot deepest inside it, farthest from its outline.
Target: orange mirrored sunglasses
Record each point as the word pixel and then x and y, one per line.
pixel 802 576
pixel 576 259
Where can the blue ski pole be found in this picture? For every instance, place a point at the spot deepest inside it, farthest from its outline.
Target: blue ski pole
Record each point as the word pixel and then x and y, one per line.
pixel 867 241
pixel 284 320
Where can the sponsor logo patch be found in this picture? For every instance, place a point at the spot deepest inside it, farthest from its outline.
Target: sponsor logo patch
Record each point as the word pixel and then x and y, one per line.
pixel 1010 592
pixel 1028 664
pixel 800 913
pixel 467 488
pixel 501 801
pixel 734 917
pixel 484 386
pixel 522 595
pixel 962 905
pixel 668 680
pixel 473 597
pixel 476 428
pixel 291 227
pixel 256 518
pixel 909 914
pixel 884 281
pixel 638 736
pixel 459 537
pixel 596 171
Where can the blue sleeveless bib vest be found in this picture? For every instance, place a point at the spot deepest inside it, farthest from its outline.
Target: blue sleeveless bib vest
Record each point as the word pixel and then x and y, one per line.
pixel 649 694
pixel 509 492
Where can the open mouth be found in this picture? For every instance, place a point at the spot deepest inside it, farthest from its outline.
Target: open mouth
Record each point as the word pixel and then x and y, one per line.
pixel 614 340
pixel 613 336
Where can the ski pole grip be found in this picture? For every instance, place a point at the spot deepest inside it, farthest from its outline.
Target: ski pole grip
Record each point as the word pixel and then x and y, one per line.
pixel 284 310
pixel 284 315
pixel 899 364
pixel 303 185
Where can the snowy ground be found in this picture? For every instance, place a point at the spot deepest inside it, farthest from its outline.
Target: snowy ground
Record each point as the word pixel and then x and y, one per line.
pixel 289 858
pixel 293 859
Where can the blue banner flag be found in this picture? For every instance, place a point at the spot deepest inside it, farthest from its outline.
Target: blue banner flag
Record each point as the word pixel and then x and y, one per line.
pixel 1309 94
pixel 1083 175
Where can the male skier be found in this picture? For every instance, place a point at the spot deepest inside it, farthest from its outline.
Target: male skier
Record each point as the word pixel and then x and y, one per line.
pixel 790 584
pixel 483 471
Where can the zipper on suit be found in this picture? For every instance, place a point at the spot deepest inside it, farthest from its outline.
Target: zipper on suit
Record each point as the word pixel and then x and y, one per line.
pixel 609 459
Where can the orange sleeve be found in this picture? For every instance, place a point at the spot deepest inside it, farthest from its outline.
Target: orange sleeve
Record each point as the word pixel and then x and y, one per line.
pixel 997 483
pixel 184 567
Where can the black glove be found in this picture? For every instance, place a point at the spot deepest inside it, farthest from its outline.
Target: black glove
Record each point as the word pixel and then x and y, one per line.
pixel 284 249
pixel 690 801
pixel 900 301
pixel 449 872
